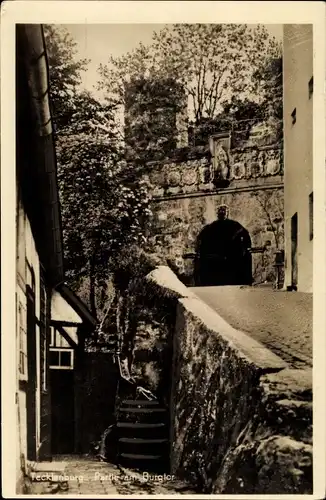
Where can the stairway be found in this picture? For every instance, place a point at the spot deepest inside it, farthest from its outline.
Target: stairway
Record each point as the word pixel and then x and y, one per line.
pixel 112 343
pixel 143 435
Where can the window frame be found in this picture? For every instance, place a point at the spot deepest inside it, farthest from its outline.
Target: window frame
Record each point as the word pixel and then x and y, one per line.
pixel 311 216
pixel 55 333
pixel 59 366
pixel 311 87
pixel 22 341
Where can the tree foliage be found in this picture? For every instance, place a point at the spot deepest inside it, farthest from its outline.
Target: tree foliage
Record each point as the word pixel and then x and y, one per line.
pixel 269 84
pixel 213 62
pixel 105 206
pixel 222 70
pixel 65 71
pixel 151 106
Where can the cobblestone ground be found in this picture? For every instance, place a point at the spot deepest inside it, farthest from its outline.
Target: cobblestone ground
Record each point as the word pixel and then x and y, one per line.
pixel 280 320
pixel 89 476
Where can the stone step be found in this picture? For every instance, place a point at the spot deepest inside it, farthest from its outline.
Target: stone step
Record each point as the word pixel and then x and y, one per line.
pixel 142 430
pixel 137 425
pixel 143 440
pixel 142 415
pixel 136 456
pixel 47 466
pixel 55 471
pixel 142 410
pixel 140 402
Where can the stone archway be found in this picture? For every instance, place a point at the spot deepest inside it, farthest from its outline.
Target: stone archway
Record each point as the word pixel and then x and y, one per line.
pixel 223 255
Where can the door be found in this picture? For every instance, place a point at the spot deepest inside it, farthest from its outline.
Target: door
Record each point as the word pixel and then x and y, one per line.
pixel 294 251
pixel 223 256
pixel 62 402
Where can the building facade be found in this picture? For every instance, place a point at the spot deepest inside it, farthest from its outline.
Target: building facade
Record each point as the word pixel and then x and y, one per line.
pixel 51 322
pixel 39 248
pixel 71 323
pixel 298 155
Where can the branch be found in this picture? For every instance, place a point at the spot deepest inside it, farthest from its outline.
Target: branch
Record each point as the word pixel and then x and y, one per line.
pixel 217 97
pixel 193 95
pixel 202 93
pixel 198 95
pixel 210 94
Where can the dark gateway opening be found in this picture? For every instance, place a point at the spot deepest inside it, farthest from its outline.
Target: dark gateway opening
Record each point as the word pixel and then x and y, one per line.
pixel 223 255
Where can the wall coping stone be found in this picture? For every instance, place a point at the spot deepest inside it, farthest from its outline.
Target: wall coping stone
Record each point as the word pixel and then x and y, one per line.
pixel 257 354
pixel 264 360
pixel 291 382
pixel 165 278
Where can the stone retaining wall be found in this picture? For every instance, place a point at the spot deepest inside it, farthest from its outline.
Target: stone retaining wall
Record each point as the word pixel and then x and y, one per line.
pixel 241 418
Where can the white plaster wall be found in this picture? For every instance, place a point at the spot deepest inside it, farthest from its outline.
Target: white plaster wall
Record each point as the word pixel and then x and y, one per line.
pixel 298 159
pixel 26 252
pixel 61 310
pixel 33 260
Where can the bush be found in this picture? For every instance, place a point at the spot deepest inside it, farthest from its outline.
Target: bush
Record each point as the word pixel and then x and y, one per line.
pixel 133 264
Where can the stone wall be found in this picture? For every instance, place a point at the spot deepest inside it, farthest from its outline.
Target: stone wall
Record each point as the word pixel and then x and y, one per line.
pixel 190 178
pixel 179 222
pixel 189 187
pixel 241 418
pixel 193 171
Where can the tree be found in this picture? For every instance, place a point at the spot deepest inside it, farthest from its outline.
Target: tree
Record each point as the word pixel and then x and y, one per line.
pixel 104 204
pixel 151 106
pixel 65 71
pixel 212 61
pixel 104 208
pixel 268 80
pixel 237 114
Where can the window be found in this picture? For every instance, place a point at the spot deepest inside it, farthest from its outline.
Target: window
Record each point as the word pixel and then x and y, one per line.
pixel 294 116
pixel 311 216
pixel 54 358
pixel 61 359
pixel 22 341
pixel 57 340
pixel 311 87
pixel 66 358
pixel 30 277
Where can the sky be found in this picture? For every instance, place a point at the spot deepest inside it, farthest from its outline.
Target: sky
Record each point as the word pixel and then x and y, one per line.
pixel 98 41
